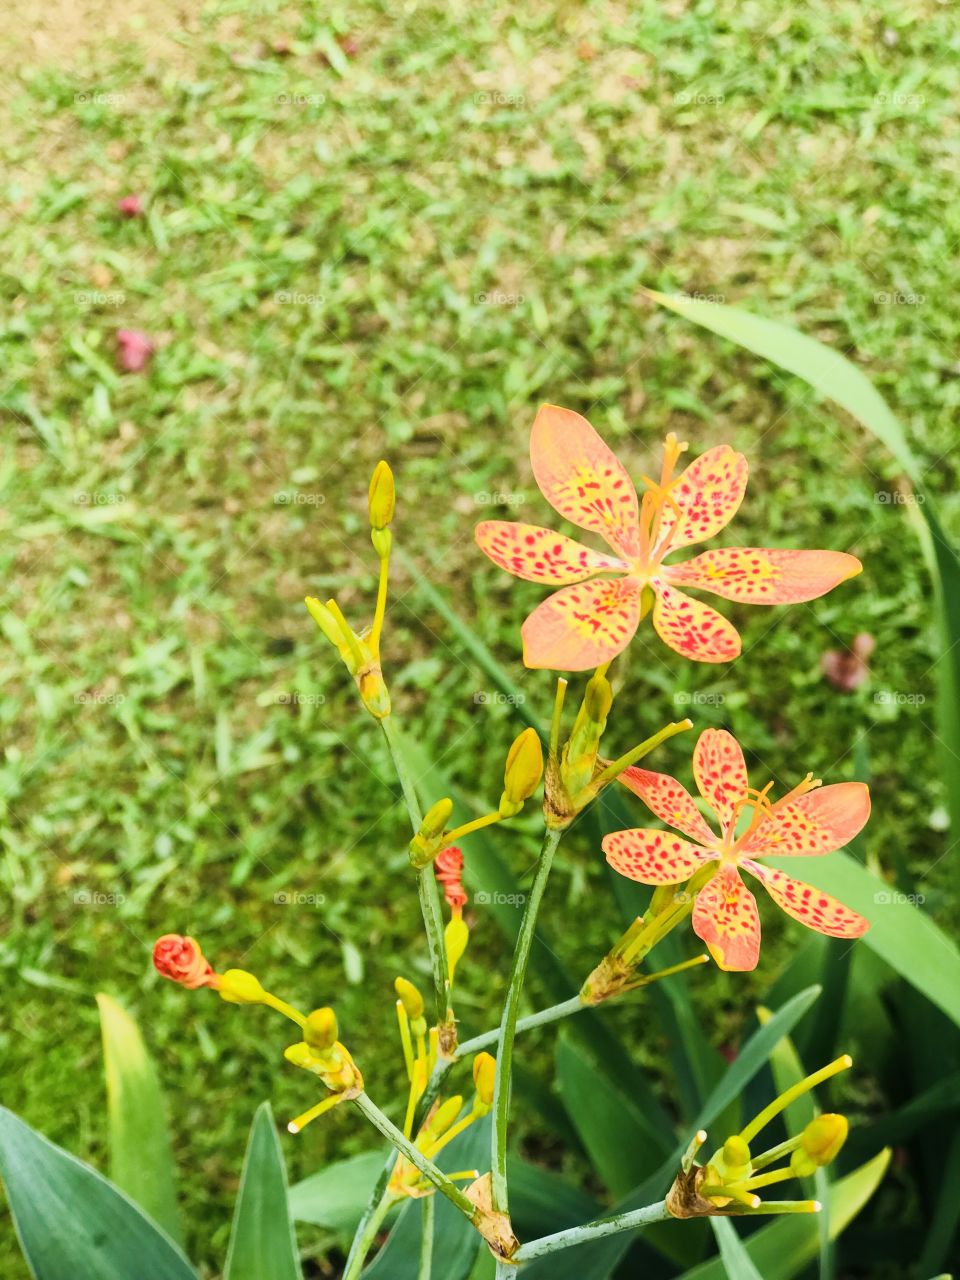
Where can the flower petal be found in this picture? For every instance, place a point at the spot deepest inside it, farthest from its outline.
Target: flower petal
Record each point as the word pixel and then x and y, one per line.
pixel 540 555
pixel 812 907
pixel 652 857
pixel 725 916
pixel 721 773
pixel 670 801
pixel 817 822
pixel 763 575
pixel 708 494
pixel 693 629
pixel 582 478
pixel 583 625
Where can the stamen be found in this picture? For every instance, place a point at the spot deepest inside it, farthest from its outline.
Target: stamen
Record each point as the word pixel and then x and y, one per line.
pixel 809 783
pixel 762 808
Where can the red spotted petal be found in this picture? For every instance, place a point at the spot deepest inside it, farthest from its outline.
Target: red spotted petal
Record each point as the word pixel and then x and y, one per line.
pixel 725 916
pixel 652 857
pixel 670 801
pixel 817 822
pixel 721 773
pixel 708 494
pixel 693 629
pixel 582 626
pixel 540 555
pixel 582 478
pixel 759 575
pixel 812 907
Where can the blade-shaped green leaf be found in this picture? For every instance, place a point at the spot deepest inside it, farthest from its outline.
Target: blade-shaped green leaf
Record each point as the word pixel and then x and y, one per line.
pixel 900 933
pixel 141 1158
pixel 737 1263
pixel 336 1196
pixel 782 1249
pixel 71 1221
pixel 262 1243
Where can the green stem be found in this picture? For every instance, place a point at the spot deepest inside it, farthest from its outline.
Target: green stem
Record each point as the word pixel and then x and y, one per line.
pixel 617 767
pixel 553 1014
pixel 383 1124
pixel 426 1239
pixel 427 889
pixel 508 1021
pixel 366 1234
pixel 592 1231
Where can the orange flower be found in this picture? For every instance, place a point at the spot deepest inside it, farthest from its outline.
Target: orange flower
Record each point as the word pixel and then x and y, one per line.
pixel 181 960
pixel 590 622
pixel 807 822
pixel 448 867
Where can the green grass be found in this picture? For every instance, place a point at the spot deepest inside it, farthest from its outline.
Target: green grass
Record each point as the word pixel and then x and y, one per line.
pixel 401 254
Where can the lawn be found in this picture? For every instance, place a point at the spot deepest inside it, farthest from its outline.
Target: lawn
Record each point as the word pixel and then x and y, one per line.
pixel 391 231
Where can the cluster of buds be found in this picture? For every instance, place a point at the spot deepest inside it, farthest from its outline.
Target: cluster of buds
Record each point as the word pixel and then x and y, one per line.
pixel 181 960
pixel 360 652
pixel 521 777
pixel 729 1181
pixel 444 1122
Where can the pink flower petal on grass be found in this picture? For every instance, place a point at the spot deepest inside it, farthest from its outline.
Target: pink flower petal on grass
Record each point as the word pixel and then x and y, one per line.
pixel 815 823
pixel 582 626
pixel 582 478
pixel 651 856
pixel 540 555
pixel 130 206
pixel 812 907
pixel 726 918
pixel 134 350
pixel 693 629
pixel 708 494
pixel 670 801
pixel 720 772
pixel 759 575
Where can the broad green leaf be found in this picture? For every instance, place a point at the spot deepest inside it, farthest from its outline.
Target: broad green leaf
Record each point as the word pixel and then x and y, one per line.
pixel 456 1242
pixel 900 933
pixel 786 1245
pixel 598 1260
pixel 141 1158
pixel 262 1243
pixel 336 1196
pixel 836 377
pixel 72 1222
pixel 737 1263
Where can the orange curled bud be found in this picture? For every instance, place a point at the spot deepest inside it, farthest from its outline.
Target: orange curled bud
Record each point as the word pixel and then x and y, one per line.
pixel 320 1030
pixel 180 959
pixel 448 868
pixel 522 773
pixel 484 1078
pixel 381 497
pixel 239 987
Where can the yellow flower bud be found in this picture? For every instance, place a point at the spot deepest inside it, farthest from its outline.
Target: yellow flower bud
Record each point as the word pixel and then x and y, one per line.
pixel 409 997
pixel 455 938
pixel 523 771
pixel 823 1138
pixel 445 1115
pixel 381 497
pixel 239 987
pixel 736 1157
pixel 426 844
pixel 320 1030
pixel 484 1077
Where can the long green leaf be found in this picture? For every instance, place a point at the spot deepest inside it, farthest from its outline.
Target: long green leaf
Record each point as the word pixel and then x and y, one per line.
pixel 900 933
pixel 782 1249
pixel 737 1263
pixel 72 1222
pixel 141 1158
pixel 262 1243
pixel 336 1196
pixel 837 378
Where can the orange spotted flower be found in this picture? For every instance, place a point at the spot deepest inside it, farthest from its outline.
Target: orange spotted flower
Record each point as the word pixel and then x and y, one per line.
pixel 808 821
pixel 590 622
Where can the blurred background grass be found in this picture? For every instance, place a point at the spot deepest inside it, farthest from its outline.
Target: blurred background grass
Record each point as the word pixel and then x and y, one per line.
pixel 378 230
